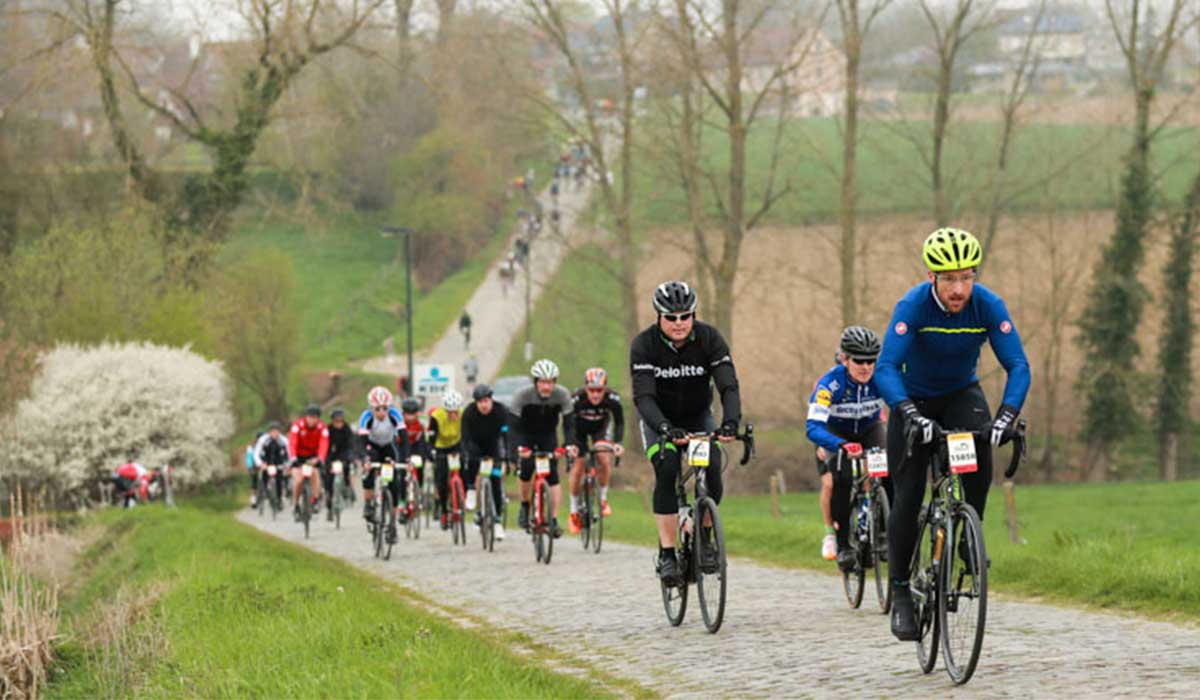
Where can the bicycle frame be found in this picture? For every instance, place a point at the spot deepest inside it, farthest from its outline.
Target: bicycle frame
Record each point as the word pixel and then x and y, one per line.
pixel 541 474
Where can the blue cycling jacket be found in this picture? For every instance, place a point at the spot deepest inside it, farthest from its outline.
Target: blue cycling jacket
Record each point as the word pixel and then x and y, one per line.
pixel 842 404
pixel 929 352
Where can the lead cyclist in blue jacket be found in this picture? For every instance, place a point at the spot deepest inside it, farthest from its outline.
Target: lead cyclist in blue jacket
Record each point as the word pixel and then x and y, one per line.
pixel 927 373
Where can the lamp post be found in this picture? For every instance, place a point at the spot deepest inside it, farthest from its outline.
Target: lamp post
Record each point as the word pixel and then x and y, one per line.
pixel 408 312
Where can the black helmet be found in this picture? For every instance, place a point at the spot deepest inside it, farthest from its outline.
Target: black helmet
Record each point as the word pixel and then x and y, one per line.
pixel 674 297
pixel 313 410
pixel 274 425
pixel 410 405
pixel 337 412
pixel 860 343
pixel 481 391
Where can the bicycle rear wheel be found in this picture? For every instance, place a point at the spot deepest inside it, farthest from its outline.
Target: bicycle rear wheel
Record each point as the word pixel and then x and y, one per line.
pixel 487 517
pixel 962 600
pixel 305 507
pixel 923 582
pixel 880 510
pixel 711 579
pixel 675 598
pixel 458 521
pixel 585 513
pixel 853 580
pixel 547 518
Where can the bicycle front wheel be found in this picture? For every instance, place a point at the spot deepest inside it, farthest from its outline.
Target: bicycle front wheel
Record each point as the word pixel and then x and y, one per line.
pixel 388 523
pixel 962 601
pixel 597 528
pixel 880 511
pixel 547 521
pixel 853 580
pixel 586 508
pixel 708 554
pixel 337 502
pixel 458 521
pixel 305 507
pixel 486 515
pixel 923 582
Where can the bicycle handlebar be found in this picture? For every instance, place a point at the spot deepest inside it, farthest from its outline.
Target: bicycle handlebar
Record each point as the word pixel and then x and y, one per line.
pixel 746 437
pixel 1017 437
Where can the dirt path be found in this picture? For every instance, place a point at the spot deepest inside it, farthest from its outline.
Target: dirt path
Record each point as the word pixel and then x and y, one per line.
pixel 497 312
pixel 787 632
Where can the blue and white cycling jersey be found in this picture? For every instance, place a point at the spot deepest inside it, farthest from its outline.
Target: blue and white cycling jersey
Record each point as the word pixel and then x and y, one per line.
pixel 842 404
pixel 382 433
pixel 929 352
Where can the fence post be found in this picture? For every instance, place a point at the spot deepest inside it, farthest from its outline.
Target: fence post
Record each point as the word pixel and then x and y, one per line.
pixel 1010 510
pixel 774 496
pixel 782 485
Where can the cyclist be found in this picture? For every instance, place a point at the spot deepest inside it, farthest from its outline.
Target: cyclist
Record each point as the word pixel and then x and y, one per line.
pixel 484 433
pixel 464 327
pixel 271 449
pixel 844 418
pixel 381 426
pixel 673 363
pixel 445 431
pixel 599 417
pixel 251 472
pixel 416 441
pixel 471 369
pixel 308 441
pixel 927 373
pixel 535 412
pixel 133 476
pixel 342 448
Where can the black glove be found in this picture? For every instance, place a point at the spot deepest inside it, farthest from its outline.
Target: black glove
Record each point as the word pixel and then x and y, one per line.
pixel 671 434
pixel 728 429
pixel 922 425
pixel 1006 418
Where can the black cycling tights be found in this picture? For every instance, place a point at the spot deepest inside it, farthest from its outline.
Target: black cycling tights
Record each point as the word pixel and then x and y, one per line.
pixel 965 410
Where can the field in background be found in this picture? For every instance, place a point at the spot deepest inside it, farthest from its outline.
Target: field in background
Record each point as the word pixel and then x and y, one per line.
pixel 191 603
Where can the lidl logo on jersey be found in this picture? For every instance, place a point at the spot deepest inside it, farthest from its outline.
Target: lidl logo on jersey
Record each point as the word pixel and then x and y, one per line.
pixel 434 380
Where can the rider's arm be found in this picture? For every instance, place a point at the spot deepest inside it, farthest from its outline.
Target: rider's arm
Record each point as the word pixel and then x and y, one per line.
pixel 466 437
pixel 259 446
pixel 293 441
pixel 618 416
pixel 720 363
pixel 900 333
pixel 323 445
pixel 1006 344
pixel 516 430
pixel 645 394
pixel 817 424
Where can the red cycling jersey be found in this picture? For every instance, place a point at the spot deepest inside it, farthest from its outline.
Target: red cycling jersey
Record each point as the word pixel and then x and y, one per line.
pixel 414 429
pixel 305 442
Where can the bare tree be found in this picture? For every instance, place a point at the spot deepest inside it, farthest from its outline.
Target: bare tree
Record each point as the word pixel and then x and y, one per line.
pixel 854 31
pixel 712 41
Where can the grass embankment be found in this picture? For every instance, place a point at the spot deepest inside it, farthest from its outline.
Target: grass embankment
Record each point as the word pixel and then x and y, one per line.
pixel 239 614
pixel 1117 546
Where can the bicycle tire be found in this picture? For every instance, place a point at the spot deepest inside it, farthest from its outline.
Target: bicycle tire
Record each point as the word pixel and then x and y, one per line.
pixel 276 505
pixel 675 598
pixel 547 522
pixel 375 526
pixel 880 511
pixel 585 514
pixel 535 529
pixel 853 581
pixel 306 507
pixel 336 502
pixel 262 495
pixel 923 584
pixel 486 518
pixel 388 522
pixel 598 530
pixel 713 611
pixel 458 521
pixel 962 613
pixel 411 522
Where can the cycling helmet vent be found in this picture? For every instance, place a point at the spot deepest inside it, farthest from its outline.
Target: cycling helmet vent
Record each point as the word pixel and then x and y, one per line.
pixel 949 249
pixel 674 297
pixel 860 343
pixel 544 369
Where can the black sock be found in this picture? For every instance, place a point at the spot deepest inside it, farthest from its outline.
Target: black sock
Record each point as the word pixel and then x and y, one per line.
pixel 666 551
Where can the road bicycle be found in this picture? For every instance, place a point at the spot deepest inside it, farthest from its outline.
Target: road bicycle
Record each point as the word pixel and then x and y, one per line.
pixel 541 517
pixel 305 504
pixel 702 558
pixel 382 525
pixel 457 499
pixel 412 498
pixel 949 571
pixel 489 516
pixel 869 510
pixel 591 515
pixel 270 489
pixel 342 494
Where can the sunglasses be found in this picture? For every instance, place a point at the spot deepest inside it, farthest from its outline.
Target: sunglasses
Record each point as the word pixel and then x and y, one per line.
pixel 676 318
pixel 380 409
pixel 869 361
pixel 595 390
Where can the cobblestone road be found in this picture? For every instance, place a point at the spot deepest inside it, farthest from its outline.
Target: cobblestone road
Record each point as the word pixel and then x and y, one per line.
pixel 787 633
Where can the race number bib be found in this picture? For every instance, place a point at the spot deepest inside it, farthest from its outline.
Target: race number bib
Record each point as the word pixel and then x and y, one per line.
pixel 486 465
pixel 542 465
pixel 386 472
pixel 453 462
pixel 271 470
pixel 962 453
pixel 336 467
pixel 417 461
pixel 877 466
pixel 698 451
pixel 306 470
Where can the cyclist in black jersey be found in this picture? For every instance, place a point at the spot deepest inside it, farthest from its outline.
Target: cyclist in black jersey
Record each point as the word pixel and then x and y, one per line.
pixel 536 411
pixel 343 447
pixel 485 434
pixel 674 364
pixel 599 418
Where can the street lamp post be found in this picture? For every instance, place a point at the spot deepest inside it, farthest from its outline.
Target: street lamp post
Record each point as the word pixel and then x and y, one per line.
pixel 408 310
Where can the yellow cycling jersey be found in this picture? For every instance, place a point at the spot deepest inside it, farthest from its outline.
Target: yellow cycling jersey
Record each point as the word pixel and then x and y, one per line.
pixel 449 432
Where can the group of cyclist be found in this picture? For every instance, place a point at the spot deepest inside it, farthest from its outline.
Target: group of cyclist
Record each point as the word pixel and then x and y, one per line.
pixel 923 373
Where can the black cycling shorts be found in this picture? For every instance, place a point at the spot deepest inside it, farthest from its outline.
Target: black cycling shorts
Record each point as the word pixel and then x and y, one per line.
pixel 540 443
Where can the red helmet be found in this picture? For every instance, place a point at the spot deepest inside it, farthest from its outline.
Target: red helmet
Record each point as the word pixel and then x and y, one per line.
pixel 595 377
pixel 379 396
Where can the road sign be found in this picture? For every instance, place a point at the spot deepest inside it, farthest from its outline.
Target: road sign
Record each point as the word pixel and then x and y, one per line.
pixel 434 380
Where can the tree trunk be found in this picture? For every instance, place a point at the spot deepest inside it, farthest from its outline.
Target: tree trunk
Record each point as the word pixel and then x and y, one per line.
pixel 849 205
pixel 1169 457
pixel 941 117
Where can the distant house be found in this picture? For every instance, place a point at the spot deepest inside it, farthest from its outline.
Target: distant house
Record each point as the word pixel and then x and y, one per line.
pixel 1060 49
pixel 805 68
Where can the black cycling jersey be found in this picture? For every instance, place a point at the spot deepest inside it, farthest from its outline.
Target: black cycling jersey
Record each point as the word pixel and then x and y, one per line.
pixel 671 385
pixel 594 418
pixel 535 417
pixel 481 434
pixel 343 444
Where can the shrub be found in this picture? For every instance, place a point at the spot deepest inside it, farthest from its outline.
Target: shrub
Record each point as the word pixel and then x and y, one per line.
pixel 92 409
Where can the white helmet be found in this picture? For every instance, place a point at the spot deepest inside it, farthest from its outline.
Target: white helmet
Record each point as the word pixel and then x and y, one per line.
pixel 544 369
pixel 452 401
pixel 379 396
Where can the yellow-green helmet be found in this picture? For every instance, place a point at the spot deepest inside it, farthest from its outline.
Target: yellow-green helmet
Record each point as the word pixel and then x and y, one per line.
pixel 949 249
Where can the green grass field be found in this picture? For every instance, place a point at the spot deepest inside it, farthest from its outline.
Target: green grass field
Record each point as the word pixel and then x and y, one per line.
pixel 1121 546
pixel 238 610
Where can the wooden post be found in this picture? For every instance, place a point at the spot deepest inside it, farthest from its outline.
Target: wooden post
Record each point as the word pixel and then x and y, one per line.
pixel 782 485
pixel 1010 510
pixel 774 496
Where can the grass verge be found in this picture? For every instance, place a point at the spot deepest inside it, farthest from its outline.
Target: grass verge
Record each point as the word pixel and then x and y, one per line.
pixel 233 607
pixel 1116 546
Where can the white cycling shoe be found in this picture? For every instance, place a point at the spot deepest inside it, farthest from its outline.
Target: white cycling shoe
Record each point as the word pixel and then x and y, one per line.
pixel 829 548
pixel 470 500
pixel 499 531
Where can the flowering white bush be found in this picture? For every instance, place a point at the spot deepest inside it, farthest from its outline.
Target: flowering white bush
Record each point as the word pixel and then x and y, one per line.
pixel 92 409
